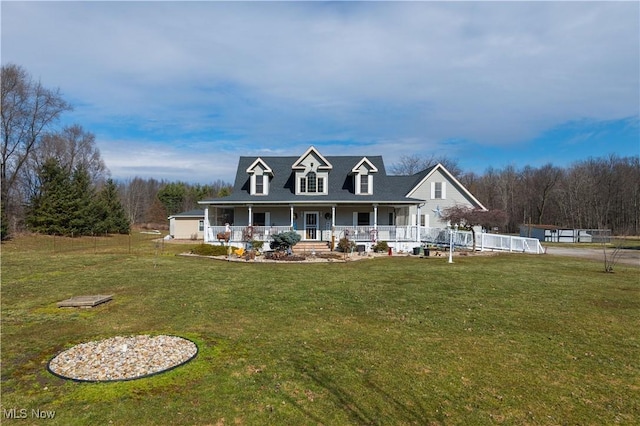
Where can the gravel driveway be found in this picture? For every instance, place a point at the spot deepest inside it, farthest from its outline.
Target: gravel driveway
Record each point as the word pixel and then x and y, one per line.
pixel 628 257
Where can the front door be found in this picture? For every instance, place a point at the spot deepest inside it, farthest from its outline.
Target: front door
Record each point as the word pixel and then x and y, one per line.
pixel 311 226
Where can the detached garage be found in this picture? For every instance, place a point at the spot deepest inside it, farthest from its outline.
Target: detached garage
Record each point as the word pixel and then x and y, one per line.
pixel 187 225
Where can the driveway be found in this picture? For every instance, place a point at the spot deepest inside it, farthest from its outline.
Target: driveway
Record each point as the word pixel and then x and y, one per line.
pixel 627 257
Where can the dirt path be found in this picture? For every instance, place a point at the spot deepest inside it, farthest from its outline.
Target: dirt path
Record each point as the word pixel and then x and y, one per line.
pixel 627 257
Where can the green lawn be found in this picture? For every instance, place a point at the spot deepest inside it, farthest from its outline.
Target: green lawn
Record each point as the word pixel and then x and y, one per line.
pixel 508 339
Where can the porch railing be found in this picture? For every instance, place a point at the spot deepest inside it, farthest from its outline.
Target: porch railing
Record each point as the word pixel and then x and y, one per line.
pixel 244 233
pixel 391 234
pixel 381 233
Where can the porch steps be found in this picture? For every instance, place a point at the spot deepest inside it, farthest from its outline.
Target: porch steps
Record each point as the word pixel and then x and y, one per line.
pixel 306 247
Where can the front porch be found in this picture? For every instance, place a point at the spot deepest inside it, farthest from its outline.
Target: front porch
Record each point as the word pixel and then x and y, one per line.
pixel 366 235
pixel 364 224
pixel 399 238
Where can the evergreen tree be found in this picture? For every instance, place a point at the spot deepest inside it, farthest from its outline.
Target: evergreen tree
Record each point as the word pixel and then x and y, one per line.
pixel 110 216
pixel 4 227
pixel 172 197
pixel 81 209
pixel 49 209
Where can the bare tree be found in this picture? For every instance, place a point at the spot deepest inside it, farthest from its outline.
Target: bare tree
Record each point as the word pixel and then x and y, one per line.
pixel 72 147
pixel 468 218
pixel 539 185
pixel 141 202
pixel 503 190
pixel 612 256
pixel 28 111
pixel 137 196
pixel 411 164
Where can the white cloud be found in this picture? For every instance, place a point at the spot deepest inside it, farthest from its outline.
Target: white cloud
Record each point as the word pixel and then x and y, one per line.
pixel 271 74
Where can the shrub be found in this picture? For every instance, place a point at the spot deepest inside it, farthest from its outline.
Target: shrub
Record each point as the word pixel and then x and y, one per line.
pixel 284 240
pixel 381 247
pixel 209 250
pixel 346 245
pixel 257 245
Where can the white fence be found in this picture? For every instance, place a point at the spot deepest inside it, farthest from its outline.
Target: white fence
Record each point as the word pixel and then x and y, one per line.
pixel 508 243
pixel 484 242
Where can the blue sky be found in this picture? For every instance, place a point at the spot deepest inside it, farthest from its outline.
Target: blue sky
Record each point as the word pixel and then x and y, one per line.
pixel 179 90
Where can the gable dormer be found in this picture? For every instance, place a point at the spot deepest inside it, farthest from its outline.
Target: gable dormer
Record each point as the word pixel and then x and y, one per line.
pixel 259 174
pixel 362 174
pixel 311 173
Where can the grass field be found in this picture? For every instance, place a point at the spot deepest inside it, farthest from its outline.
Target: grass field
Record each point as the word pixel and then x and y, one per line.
pixel 507 339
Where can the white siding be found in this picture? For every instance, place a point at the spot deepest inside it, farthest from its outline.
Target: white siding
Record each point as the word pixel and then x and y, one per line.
pixel 451 196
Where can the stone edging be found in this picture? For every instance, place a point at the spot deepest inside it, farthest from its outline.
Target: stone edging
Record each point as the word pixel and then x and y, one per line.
pixel 122 358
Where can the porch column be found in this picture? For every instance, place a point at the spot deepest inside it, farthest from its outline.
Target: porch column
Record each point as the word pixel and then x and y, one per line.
pixel 250 214
pixel 333 217
pixel 291 216
pixel 418 223
pixel 206 224
pixel 375 217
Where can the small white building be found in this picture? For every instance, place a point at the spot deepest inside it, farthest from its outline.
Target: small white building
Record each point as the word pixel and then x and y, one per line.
pixel 187 225
pixel 558 234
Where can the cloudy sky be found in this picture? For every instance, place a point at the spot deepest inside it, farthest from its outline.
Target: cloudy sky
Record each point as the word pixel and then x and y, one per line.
pixel 179 90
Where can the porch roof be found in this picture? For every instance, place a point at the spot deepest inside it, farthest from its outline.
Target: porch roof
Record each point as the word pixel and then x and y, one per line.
pixel 197 213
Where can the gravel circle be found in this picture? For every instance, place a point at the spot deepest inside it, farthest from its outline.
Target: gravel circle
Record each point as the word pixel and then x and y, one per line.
pixel 122 358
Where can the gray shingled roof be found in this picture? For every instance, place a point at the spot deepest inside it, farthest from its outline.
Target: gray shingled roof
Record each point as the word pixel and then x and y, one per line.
pixel 386 189
pixel 190 213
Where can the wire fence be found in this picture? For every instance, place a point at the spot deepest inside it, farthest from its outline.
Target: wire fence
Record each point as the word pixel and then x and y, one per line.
pixel 142 243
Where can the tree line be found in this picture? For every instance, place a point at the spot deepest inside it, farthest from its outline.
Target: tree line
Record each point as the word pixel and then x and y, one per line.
pixel 150 201
pixel 53 179
pixel 48 172
pixel 66 203
pixel 593 193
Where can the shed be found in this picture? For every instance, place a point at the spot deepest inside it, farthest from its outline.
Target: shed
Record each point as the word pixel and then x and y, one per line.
pixel 187 225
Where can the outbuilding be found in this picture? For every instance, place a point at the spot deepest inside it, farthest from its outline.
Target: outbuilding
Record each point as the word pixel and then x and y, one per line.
pixel 187 225
pixel 558 234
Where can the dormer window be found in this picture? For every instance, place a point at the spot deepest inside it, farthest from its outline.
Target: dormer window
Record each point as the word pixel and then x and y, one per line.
pixel 259 184
pixel 311 171
pixel 259 173
pixel 364 184
pixel 363 176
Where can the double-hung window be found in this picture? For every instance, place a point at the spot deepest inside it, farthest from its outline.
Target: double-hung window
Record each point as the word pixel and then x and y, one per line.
pixel 259 185
pixel 364 184
pixel 438 191
pixel 364 218
pixel 311 183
